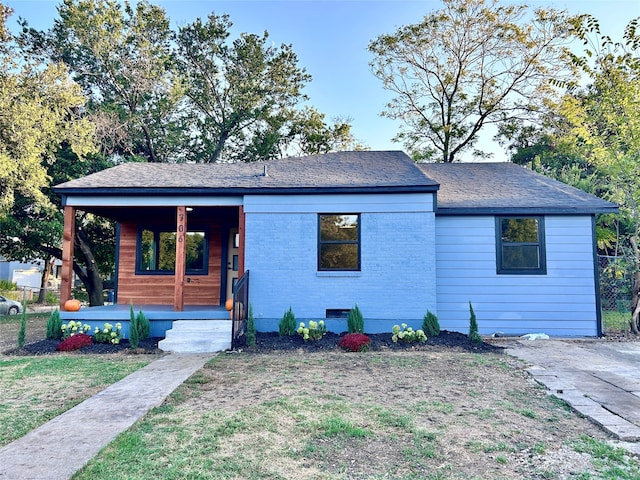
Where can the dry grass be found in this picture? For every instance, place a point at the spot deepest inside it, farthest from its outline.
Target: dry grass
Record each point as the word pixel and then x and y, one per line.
pixel 334 415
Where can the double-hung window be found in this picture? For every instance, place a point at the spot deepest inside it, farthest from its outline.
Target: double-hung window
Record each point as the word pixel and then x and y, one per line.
pixel 338 242
pixel 520 247
pixel 156 251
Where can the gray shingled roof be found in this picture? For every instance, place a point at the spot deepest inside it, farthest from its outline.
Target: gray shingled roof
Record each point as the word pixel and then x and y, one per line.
pixel 343 171
pixel 506 188
pixel 464 188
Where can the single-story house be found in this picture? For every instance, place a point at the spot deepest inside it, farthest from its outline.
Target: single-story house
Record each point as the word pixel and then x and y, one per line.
pixel 323 233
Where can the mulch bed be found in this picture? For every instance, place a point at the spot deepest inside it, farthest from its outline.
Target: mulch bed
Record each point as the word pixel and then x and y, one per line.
pixel 273 343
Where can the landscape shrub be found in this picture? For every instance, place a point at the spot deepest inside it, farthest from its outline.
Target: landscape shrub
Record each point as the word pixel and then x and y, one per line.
pixel 6 285
pixel 474 336
pixel 75 342
pixel 108 334
pixel 73 328
pixel 144 327
pixel 251 328
pixel 355 342
pixel 287 325
pixel 315 330
pixel 404 333
pixel 355 322
pixel 54 326
pixel 22 332
pixel 430 324
pixel 134 331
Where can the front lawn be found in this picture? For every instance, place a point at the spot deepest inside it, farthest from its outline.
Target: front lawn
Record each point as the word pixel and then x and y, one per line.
pixel 33 390
pixel 332 415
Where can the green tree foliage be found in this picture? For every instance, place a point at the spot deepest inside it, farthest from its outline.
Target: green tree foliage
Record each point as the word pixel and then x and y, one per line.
pixel 121 56
pixel 243 96
pixel 471 64
pixel 40 108
pixel 603 122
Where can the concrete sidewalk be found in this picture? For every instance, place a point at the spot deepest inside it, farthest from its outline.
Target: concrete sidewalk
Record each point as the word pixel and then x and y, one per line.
pixel 57 449
pixel 599 379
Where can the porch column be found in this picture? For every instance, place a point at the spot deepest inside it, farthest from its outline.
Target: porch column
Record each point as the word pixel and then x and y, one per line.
pixel 68 239
pixel 240 241
pixel 181 241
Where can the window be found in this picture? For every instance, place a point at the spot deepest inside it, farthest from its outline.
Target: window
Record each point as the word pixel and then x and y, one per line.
pixel 520 245
pixel 338 242
pixel 156 252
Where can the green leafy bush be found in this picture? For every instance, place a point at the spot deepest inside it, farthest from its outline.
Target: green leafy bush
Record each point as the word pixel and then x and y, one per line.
pixel 251 328
pixel 315 330
pixel 355 322
pixel 430 325
pixel 474 336
pixel 54 326
pixel 287 325
pixel 404 333
pixel 6 285
pixel 74 328
pixel 355 342
pixel 108 334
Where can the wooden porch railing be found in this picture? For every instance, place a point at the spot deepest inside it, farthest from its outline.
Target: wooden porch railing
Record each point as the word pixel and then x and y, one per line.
pixel 240 311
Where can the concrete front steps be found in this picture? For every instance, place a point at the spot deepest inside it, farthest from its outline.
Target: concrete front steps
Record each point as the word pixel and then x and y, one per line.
pixel 197 336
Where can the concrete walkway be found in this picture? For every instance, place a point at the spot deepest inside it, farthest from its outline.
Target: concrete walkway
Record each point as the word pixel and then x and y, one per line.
pixel 57 449
pixel 599 379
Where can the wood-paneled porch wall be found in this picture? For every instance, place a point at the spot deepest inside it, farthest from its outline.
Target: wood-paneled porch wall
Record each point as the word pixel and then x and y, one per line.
pixel 158 289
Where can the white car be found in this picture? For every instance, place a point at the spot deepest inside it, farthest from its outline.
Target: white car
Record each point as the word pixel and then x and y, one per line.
pixel 9 307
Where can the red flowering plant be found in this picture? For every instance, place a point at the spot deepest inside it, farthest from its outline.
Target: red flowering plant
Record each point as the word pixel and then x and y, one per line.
pixel 355 342
pixel 75 342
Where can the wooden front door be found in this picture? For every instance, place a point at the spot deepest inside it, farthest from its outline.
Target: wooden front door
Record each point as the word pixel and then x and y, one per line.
pixel 232 260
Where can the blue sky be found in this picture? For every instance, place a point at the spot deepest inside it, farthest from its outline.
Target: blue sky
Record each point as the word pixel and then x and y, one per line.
pixel 331 37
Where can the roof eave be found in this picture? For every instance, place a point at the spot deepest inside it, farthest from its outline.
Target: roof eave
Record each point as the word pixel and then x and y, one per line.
pixel 163 191
pixel 444 211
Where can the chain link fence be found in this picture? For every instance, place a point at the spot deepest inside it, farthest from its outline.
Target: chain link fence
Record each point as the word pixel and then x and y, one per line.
pixel 36 299
pixel 616 282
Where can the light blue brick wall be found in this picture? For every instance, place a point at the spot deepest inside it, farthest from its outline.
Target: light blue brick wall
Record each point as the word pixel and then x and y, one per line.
pixel 397 278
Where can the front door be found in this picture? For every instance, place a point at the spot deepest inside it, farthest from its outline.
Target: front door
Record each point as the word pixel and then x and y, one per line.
pixel 232 260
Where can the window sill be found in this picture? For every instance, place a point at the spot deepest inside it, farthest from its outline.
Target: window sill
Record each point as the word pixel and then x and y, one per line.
pixel 339 273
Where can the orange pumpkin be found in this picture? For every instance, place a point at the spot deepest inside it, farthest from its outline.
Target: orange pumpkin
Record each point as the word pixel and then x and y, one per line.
pixel 72 305
pixel 229 304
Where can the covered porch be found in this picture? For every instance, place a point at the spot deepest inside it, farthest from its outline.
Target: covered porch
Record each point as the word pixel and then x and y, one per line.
pixel 161 317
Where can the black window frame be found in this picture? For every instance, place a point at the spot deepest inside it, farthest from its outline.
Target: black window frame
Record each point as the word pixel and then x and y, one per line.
pixel 157 230
pixel 501 268
pixel 322 242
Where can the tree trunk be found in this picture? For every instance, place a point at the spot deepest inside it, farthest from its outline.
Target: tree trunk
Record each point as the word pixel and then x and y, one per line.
pixel 42 297
pixel 92 279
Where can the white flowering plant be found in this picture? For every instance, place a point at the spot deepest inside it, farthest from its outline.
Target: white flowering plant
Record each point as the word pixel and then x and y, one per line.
pixel 404 333
pixel 73 328
pixel 108 334
pixel 315 330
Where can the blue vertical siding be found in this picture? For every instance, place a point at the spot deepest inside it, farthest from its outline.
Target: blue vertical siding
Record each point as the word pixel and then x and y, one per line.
pixel 560 303
pixel 397 278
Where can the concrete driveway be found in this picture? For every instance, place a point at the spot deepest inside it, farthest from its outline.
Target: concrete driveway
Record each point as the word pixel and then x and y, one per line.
pixel 599 379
